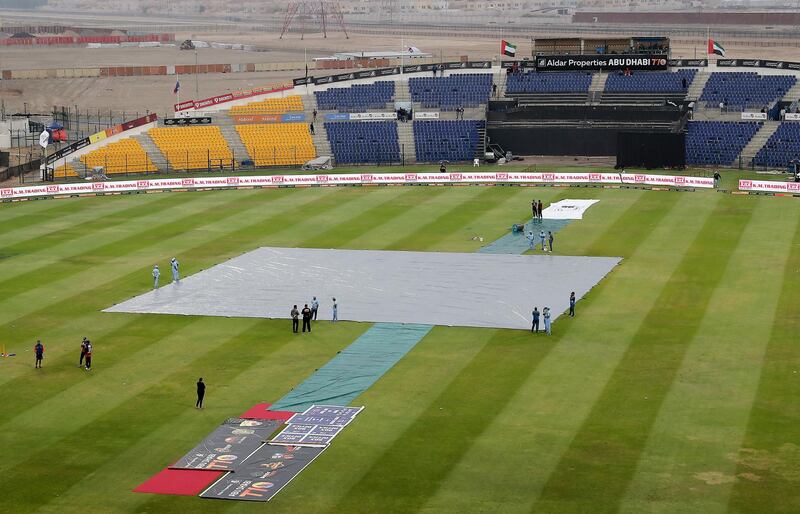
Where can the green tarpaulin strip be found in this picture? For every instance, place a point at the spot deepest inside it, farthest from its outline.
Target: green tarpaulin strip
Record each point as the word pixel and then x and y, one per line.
pixel 517 243
pixel 356 368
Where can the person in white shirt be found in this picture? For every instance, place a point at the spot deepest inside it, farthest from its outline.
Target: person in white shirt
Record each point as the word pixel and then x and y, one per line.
pixel 176 277
pixel 156 274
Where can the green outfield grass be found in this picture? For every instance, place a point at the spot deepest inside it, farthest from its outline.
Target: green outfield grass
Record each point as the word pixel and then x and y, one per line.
pixel 675 389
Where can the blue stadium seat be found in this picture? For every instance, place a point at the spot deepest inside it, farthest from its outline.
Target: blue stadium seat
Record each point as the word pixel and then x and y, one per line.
pixel 782 147
pixel 742 89
pixel 451 140
pixel 549 82
pixel 355 98
pixel 651 82
pixel 717 143
pixel 364 142
pixel 450 93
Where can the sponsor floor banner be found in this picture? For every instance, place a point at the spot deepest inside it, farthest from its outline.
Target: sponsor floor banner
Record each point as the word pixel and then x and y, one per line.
pixel 263 474
pixel 316 426
pixel 229 445
pixel 770 186
pixel 343 179
pixel 754 116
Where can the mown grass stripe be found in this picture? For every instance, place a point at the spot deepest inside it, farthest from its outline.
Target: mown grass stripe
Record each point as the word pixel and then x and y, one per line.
pixel 104 388
pixel 103 432
pixel 92 300
pixel 234 386
pixel 697 429
pixel 547 407
pixel 429 234
pixel 102 221
pixel 333 204
pixel 610 441
pixel 447 427
pixel 148 236
pixel 769 449
pixel 394 205
pixel 23 216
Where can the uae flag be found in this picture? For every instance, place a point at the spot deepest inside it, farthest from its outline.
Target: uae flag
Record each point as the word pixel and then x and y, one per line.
pixel 715 48
pixel 508 49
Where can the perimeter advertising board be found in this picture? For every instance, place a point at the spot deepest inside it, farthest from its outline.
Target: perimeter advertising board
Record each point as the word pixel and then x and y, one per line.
pixel 602 62
pixel 78 188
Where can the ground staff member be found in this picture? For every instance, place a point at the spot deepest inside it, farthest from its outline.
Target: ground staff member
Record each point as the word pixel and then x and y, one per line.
pixel 295 313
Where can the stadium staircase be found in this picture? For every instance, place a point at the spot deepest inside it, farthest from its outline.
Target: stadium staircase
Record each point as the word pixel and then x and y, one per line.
pixel 697 85
pixel 227 127
pixel 153 151
pixel 757 142
pixel 405 131
pixel 405 136
pixel 480 148
pixel 320 137
pixel 597 87
pixel 793 94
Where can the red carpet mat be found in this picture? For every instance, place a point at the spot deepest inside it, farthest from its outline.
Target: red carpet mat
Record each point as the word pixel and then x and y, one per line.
pixel 260 412
pixel 187 482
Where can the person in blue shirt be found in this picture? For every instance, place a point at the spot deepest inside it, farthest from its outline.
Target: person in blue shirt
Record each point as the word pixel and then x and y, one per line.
pixel 335 311
pixel 541 236
pixel 572 305
pixel 535 324
pixel 546 316
pixel 314 308
pixel 156 274
pixel 176 277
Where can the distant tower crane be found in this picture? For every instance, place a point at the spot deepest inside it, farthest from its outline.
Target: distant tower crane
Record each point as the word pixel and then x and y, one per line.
pixel 313 13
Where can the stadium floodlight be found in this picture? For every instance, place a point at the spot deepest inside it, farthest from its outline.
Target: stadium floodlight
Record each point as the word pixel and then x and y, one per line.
pixel 313 12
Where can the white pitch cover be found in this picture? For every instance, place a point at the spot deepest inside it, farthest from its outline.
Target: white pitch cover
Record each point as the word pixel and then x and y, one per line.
pixel 567 209
pixel 430 288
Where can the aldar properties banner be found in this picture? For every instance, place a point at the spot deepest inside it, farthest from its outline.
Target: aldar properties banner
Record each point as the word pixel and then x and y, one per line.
pixel 613 62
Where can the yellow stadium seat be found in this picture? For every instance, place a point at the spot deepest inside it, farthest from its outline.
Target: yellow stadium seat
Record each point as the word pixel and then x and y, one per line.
pixel 124 156
pixel 278 144
pixel 293 103
pixel 65 170
pixel 193 147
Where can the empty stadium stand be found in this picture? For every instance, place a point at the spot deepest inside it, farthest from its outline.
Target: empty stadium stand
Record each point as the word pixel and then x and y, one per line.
pixel 451 92
pixel 451 140
pixel 557 82
pixel 355 142
pixel 740 90
pixel 197 147
pixel 65 171
pixel 124 156
pixel 356 98
pixel 717 143
pixel 293 103
pixel 651 82
pixel 278 144
pixel 782 147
